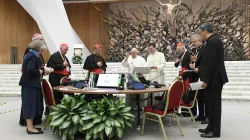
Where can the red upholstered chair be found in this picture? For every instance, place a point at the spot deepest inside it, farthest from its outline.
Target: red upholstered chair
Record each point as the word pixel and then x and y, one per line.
pixel 174 96
pixel 189 106
pixel 48 97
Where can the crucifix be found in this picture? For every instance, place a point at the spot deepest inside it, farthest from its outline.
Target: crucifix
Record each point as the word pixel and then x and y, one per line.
pixel 170 20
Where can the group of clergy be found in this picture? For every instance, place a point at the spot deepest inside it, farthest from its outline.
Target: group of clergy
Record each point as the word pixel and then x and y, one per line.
pixel 207 60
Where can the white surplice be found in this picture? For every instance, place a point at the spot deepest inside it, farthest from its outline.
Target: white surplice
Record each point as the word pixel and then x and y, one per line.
pixel 156 59
pixel 131 62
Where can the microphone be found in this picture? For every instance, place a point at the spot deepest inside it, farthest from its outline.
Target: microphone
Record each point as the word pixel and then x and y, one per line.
pixel 155 77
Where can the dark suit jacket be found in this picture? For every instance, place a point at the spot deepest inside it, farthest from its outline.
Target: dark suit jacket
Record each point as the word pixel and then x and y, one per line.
pixel 199 51
pixel 30 71
pixel 212 67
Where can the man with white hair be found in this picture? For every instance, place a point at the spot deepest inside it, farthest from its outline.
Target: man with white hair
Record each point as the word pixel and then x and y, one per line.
pixel 133 60
pixel 196 59
pixel 60 63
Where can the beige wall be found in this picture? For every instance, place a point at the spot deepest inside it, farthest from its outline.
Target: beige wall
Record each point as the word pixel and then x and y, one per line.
pixel 17 27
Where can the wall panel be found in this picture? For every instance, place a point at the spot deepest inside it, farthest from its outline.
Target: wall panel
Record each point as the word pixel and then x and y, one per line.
pixel 17 27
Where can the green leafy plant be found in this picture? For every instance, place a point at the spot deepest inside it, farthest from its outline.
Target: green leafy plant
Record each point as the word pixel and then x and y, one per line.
pixel 76 59
pixel 65 117
pixel 106 119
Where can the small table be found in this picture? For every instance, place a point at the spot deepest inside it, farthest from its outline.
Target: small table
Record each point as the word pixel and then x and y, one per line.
pixel 67 89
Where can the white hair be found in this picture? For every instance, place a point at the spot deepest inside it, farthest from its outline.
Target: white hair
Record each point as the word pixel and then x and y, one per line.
pixel 37 45
pixel 134 50
pixel 196 36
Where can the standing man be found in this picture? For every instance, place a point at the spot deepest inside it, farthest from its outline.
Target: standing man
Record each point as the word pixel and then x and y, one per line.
pixel 60 63
pixel 156 60
pixel 133 60
pixel 95 62
pixel 196 59
pixel 213 76
pixel 183 64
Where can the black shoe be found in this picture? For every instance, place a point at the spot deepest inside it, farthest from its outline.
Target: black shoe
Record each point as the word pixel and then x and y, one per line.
pixel 205 121
pixel 204 131
pixel 198 118
pixel 39 129
pixel 210 135
pixel 30 132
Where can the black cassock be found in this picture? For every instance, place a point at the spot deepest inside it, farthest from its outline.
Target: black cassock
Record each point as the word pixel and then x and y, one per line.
pixel 56 62
pixel 91 62
pixel 185 61
pixel 91 65
pixel 213 73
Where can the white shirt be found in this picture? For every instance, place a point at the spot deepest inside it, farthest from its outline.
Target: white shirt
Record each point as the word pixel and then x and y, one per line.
pixel 138 61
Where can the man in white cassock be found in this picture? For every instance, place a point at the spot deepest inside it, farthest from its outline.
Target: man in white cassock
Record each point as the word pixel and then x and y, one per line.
pixel 156 60
pixel 134 60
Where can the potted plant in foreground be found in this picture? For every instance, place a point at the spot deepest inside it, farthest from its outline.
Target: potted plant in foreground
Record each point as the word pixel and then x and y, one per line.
pixel 97 119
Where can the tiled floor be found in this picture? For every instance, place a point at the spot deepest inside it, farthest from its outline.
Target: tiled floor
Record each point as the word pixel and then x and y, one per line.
pixel 235 125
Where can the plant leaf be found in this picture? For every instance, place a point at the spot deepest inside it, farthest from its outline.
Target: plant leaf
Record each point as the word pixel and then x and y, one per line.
pixel 95 129
pixel 126 109
pixel 54 113
pixel 56 109
pixel 58 121
pixel 104 118
pixel 73 103
pixel 94 116
pixel 108 122
pixel 62 106
pixel 87 117
pixel 76 119
pixel 77 105
pixel 128 123
pixel 101 127
pixel 121 121
pixel 97 120
pixel 117 124
pixel 119 132
pixel 56 117
pixel 64 137
pixel 88 137
pixel 129 115
pixel 108 130
pixel 87 126
pixel 102 135
pixel 65 124
pixel 82 122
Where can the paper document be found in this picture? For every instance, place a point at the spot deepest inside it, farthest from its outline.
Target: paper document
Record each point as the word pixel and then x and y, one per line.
pixel 188 70
pixel 196 85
